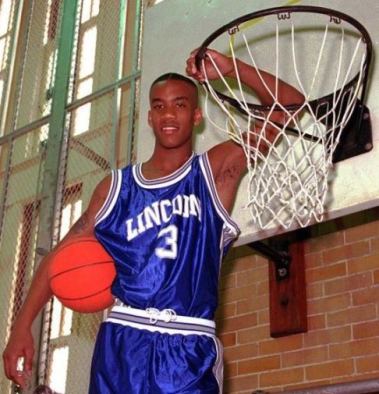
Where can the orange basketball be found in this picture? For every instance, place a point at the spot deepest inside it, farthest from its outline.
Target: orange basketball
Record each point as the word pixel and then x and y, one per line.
pixel 81 274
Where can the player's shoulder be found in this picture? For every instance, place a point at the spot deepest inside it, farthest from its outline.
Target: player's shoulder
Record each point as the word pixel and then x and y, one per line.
pixel 114 179
pixel 104 185
pixel 113 176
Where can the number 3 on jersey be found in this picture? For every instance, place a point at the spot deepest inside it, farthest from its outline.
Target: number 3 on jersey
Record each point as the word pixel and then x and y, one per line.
pixel 170 249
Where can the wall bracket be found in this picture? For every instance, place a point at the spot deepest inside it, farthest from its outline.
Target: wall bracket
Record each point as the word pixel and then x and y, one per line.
pixel 277 253
pixel 288 301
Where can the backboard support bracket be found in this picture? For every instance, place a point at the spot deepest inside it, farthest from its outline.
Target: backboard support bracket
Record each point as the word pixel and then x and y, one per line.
pixel 277 253
pixel 288 302
pixel 356 138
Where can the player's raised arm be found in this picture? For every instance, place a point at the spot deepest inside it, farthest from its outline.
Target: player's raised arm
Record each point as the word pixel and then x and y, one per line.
pixel 20 343
pixel 268 88
pixel 228 160
pixel 262 83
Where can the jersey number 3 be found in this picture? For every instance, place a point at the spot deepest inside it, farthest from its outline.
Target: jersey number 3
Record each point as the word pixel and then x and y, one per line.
pixel 170 249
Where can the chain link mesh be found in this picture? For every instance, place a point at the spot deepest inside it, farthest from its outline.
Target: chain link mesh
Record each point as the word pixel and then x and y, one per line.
pixel 21 207
pixel 100 115
pixel 36 68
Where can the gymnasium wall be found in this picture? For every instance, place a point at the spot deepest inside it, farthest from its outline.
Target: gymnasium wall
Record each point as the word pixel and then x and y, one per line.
pixel 342 342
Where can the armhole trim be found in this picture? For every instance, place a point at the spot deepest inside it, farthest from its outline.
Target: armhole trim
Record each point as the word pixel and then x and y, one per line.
pixel 111 198
pixel 231 228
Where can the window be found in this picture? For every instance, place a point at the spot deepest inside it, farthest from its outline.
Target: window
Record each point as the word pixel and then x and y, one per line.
pixel 86 63
pixel 6 31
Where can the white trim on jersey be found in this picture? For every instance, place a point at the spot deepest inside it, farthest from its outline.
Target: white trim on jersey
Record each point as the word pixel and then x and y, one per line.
pixel 111 198
pixel 168 180
pixel 218 368
pixel 221 246
pixel 231 228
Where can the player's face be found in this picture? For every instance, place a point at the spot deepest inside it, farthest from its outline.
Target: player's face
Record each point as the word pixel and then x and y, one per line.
pixel 173 113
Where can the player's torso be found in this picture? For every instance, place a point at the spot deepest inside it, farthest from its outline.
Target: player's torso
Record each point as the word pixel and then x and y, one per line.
pixel 167 237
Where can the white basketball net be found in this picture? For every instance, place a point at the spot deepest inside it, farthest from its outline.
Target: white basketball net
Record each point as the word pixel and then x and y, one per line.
pixel 288 184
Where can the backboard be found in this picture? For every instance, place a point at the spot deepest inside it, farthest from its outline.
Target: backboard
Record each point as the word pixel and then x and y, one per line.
pixel 173 28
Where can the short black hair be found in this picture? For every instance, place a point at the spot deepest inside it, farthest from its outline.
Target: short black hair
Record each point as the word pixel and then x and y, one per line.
pixel 174 76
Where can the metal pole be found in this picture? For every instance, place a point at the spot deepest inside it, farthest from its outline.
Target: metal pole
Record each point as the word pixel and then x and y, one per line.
pixel 123 9
pixel 133 84
pixel 56 142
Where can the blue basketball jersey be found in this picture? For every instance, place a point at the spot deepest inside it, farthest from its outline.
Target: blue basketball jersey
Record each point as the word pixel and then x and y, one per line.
pixel 167 237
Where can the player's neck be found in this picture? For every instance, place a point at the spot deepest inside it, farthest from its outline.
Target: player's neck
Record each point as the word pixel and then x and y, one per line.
pixel 165 162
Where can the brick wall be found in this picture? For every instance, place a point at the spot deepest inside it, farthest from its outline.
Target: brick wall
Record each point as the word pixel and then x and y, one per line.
pixel 342 342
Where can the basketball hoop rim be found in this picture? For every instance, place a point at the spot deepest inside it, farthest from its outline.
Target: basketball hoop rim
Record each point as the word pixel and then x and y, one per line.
pixel 200 55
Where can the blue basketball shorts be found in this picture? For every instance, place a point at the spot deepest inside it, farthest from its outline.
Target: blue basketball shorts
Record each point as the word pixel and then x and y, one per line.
pixel 156 352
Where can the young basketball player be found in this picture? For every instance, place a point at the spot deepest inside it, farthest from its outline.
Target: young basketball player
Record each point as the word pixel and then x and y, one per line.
pixel 166 223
